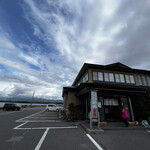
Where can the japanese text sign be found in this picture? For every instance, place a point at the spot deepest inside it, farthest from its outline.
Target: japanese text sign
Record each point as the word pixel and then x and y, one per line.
pixel 94 104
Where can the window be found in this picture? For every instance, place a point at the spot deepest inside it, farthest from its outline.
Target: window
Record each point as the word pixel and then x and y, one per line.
pixel 110 102
pixel 111 77
pixel 132 79
pixel 100 76
pixel 127 77
pixel 85 79
pixel 95 76
pixel 148 80
pixel 117 78
pixel 122 80
pixel 144 81
pixel 139 80
pixel 106 76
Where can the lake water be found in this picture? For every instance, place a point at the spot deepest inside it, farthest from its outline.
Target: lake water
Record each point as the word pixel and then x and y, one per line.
pixel 20 104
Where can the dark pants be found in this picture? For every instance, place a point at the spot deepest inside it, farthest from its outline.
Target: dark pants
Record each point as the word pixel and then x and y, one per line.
pixel 126 122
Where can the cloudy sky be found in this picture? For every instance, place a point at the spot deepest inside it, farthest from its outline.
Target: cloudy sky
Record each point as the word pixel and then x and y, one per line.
pixel 44 43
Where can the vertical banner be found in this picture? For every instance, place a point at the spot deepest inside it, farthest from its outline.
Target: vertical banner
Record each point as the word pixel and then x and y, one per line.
pixel 94 108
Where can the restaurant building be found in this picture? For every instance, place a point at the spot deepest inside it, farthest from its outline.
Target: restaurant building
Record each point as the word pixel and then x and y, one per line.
pixel 116 85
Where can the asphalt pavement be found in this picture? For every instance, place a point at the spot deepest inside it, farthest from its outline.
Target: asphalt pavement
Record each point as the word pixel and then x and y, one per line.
pixel 17 139
pixel 123 139
pixel 36 129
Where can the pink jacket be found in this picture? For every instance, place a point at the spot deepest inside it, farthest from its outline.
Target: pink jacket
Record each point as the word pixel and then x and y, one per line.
pixel 125 114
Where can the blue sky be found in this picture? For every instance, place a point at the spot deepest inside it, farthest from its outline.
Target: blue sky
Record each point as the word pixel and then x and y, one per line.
pixel 44 43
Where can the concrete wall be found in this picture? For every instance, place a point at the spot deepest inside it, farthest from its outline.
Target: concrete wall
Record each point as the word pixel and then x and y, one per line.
pixel 65 100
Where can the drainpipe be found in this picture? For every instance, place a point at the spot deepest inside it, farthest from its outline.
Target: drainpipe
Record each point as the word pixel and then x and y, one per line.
pixel 131 109
pixel 86 107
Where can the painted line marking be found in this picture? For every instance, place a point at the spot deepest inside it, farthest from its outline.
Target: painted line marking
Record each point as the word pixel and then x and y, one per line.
pixel 21 125
pixel 29 116
pixel 148 130
pixel 94 142
pixel 42 140
pixel 43 128
pixel 39 121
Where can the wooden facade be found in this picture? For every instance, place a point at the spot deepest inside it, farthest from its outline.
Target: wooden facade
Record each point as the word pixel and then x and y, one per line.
pixel 116 85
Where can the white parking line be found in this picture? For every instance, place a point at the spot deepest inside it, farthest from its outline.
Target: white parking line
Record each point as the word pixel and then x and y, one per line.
pixel 29 116
pixel 18 127
pixel 42 140
pixel 94 142
pixel 39 121
pixel 43 128
pixel 148 130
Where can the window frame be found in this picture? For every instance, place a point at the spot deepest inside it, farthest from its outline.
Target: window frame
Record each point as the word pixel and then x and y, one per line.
pixel 144 78
pixel 93 75
pixel 133 78
pixel 118 77
pixel 123 78
pixel 107 76
pixel 113 77
pixel 87 74
pixel 127 75
pixel 139 80
pixel 102 76
pixel 148 80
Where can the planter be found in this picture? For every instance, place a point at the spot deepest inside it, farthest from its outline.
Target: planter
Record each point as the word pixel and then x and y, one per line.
pixel 132 123
pixel 102 124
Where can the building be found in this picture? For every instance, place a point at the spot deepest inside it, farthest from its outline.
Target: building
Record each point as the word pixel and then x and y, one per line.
pixel 116 85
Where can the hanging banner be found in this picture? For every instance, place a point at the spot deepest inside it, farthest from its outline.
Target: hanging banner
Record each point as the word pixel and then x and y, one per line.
pixel 94 108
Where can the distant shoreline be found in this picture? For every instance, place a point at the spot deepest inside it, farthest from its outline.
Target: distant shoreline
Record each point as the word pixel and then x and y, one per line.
pixel 27 104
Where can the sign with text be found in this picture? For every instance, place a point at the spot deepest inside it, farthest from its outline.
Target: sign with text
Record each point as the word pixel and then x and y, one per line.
pixel 94 109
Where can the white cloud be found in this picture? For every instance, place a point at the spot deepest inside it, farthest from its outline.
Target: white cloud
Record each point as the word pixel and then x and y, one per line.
pixel 81 37
pixel 75 32
pixel 23 79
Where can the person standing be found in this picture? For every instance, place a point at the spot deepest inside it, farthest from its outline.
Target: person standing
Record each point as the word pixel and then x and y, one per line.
pixel 125 117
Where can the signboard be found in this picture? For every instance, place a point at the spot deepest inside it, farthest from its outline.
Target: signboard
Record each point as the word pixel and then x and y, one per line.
pixel 94 109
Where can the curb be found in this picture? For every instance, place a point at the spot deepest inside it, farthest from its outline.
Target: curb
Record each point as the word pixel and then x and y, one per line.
pixel 102 129
pixel 94 131
pixel 126 128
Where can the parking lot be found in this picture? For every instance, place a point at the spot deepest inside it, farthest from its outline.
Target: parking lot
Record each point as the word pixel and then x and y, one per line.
pixel 37 129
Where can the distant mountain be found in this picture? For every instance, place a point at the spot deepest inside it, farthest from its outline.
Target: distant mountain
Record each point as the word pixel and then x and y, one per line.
pixel 29 100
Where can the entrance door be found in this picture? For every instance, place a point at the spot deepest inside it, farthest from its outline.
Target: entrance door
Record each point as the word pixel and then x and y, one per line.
pixel 112 109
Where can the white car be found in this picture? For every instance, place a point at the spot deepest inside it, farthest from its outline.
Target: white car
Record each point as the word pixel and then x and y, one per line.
pixel 51 107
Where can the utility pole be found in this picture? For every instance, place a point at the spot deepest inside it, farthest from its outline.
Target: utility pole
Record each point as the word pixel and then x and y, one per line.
pixel 32 97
